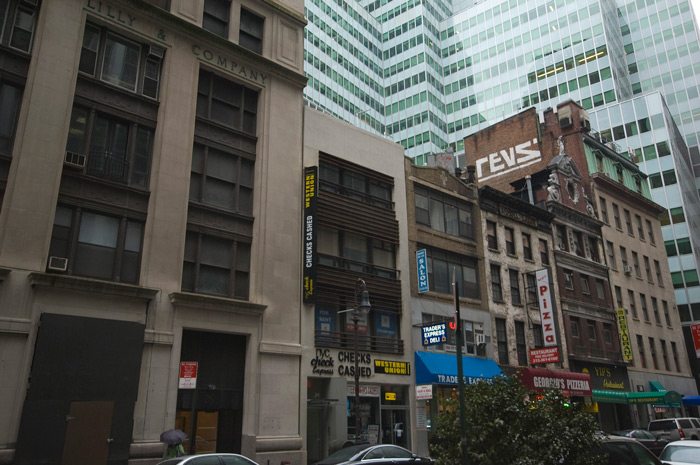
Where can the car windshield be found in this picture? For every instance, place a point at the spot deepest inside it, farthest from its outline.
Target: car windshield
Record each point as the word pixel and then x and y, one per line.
pixel 681 453
pixel 347 452
pixel 661 425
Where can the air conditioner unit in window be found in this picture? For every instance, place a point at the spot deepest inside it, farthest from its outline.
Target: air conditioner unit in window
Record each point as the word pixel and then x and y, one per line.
pixel 76 160
pixel 627 269
pixel 480 339
pixel 58 264
pixel 154 51
pixel 565 123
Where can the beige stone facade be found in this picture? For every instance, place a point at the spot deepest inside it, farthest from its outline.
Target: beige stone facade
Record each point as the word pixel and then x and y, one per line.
pixel 163 229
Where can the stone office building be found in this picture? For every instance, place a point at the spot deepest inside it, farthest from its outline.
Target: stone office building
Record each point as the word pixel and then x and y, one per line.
pixel 148 218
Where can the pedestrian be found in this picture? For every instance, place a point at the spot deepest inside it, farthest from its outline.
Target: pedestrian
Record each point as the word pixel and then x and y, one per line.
pixel 175 450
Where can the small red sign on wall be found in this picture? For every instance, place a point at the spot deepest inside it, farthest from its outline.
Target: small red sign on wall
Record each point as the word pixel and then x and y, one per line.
pixel 188 375
pixel 546 355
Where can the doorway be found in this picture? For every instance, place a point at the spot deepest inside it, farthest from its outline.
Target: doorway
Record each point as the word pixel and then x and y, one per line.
pixel 394 427
pixel 88 434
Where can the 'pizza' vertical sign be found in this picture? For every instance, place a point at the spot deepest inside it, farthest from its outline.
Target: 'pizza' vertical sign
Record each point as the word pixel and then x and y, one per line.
pixel 310 191
pixel 546 308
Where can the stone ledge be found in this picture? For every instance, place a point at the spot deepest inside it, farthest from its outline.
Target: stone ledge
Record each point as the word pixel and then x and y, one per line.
pixel 280 348
pixel 75 283
pixel 158 337
pixel 15 325
pixel 278 443
pixel 222 304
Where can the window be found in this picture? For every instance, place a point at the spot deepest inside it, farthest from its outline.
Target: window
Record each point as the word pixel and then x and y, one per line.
pixel 647 267
pixel 120 61
pixel 502 341
pixel 562 239
pixel 569 279
pixel 491 235
pixel 643 302
pixel 520 343
pixel 616 216
pixel 531 289
pixel 655 310
pixel 652 351
pixel 623 257
pixel 593 247
pixel 603 210
pixel 496 282
pixel 471 329
pixel 667 317
pixel 600 288
pixel 97 245
pixel 527 246
pixel 537 336
pixel 635 261
pixel 628 222
pixel 607 333
pixel 664 355
pixel 640 349
pixel 114 149
pixel 222 179
pixel 633 305
pixel 515 287
pixel 592 333
pixel 578 244
pixel 217 266
pixel 640 227
pixel 544 252
pixel 510 240
pixel 585 284
pixel 612 263
pixel 618 297
pixel 575 332
pixel 348 250
pixel 650 232
pixel 444 213
pixel 227 102
pixel 251 32
pixel 19 17
pixel 217 14
pixel 674 352
pixel 657 268
pixel 440 265
pixel 10 99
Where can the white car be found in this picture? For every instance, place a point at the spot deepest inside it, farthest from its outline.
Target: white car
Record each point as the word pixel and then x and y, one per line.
pixel 209 459
pixel 681 453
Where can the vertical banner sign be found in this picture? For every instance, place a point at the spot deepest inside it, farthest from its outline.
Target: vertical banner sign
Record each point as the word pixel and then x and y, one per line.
pixel 422 264
pixel 546 308
pixel 695 329
pixel 624 334
pixel 310 190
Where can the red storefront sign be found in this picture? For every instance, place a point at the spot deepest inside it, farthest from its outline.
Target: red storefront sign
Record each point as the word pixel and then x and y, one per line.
pixel 545 355
pixel 188 375
pixel 574 384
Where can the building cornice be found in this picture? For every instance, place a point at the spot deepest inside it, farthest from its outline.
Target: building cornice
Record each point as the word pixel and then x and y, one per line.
pixel 619 190
pixel 89 285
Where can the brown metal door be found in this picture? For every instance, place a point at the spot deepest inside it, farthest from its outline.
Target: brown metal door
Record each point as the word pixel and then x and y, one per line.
pixel 88 433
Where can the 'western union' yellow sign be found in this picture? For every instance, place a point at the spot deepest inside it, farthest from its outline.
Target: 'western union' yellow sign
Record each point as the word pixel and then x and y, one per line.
pixel 392 368
pixel 624 334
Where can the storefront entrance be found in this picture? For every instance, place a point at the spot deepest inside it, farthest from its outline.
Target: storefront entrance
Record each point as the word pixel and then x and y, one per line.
pixel 394 427
pixel 213 412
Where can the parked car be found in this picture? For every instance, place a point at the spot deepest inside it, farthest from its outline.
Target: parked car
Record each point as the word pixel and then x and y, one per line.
pixel 626 451
pixel 209 459
pixel 647 438
pixel 675 429
pixel 381 454
pixel 681 453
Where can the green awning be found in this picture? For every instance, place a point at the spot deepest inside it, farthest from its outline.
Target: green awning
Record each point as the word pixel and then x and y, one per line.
pixel 668 398
pixel 656 386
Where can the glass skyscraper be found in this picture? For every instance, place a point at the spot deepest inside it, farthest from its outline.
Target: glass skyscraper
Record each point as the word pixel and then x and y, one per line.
pixel 427 73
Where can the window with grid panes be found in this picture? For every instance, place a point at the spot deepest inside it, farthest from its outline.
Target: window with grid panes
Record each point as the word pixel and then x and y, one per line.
pixel 502 341
pixel 667 316
pixel 444 213
pixel 17 23
pixel 226 102
pixel 509 234
pixel 650 232
pixel 603 209
pixel 491 235
pixel 216 16
pixel 440 266
pixel 544 252
pixel 527 246
pixel 514 278
pixel 616 216
pixel 120 61
pixel 251 31
pixel 652 351
pixel 496 288
pixel 521 343
pixel 632 304
pixel 674 353
pixel 643 305
pixel 664 355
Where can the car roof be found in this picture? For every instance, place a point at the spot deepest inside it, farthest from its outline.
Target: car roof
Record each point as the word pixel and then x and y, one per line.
pixel 685 442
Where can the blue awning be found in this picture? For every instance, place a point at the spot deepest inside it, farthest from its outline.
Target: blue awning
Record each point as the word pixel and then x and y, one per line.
pixel 691 400
pixel 434 368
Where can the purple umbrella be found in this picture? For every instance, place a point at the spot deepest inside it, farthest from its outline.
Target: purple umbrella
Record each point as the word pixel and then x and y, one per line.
pixel 172 437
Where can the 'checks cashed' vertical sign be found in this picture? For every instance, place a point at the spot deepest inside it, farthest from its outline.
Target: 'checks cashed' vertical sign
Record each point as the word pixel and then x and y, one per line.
pixel 422 263
pixel 310 190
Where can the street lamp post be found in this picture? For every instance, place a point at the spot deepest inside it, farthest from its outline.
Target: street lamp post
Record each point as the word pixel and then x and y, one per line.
pixel 361 307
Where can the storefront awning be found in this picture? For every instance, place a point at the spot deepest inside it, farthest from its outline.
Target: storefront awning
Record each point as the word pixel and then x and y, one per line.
pixel 691 400
pixel 433 368
pixel 576 384
pixel 667 398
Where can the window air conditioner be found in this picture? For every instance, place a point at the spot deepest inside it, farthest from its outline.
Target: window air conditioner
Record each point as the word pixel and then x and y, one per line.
pixel 480 339
pixel 154 51
pixel 627 269
pixel 76 160
pixel 58 264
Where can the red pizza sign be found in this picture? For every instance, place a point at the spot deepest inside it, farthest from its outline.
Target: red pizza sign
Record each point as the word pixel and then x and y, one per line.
pixel 188 375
